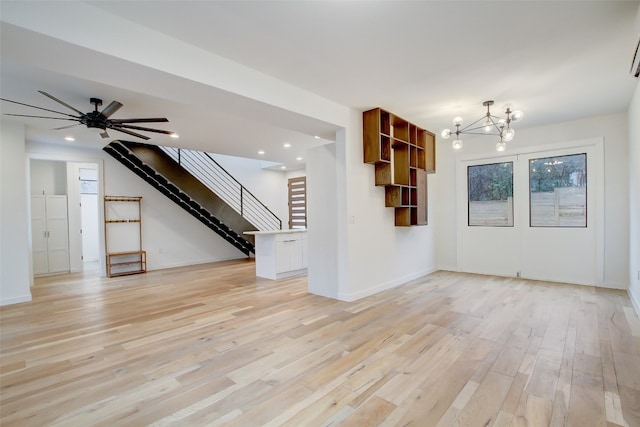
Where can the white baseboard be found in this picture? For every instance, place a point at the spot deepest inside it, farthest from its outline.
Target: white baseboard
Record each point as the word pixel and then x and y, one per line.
pixel 15 300
pixel 612 285
pixel 190 262
pixel 350 297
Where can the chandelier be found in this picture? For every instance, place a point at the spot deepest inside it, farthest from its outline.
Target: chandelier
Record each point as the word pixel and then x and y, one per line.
pixel 486 125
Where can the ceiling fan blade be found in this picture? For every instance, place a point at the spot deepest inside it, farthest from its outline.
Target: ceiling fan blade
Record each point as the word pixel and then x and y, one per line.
pixel 40 108
pixel 60 102
pixel 111 108
pixel 130 133
pixel 66 127
pixel 40 117
pixel 148 120
pixel 118 126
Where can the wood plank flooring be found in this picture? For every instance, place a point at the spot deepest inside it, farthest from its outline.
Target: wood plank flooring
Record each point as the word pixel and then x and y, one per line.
pixel 214 345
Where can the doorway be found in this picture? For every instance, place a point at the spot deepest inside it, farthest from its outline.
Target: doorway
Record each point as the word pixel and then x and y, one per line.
pixel 84 216
pixel 80 184
pixel 89 217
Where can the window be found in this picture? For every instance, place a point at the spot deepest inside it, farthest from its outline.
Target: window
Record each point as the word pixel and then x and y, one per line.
pixel 88 181
pixel 558 191
pixel 298 202
pixel 491 194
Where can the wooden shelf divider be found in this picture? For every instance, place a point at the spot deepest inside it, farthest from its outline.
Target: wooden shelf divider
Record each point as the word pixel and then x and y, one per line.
pixel 403 154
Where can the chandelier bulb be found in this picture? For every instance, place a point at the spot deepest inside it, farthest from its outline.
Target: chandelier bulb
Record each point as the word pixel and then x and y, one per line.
pixel 508 135
pixel 456 144
pixel 446 134
pixel 501 146
pixel 457 121
pixel 517 116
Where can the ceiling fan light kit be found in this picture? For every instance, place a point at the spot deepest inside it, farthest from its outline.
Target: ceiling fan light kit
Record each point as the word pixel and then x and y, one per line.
pixel 486 125
pixel 96 120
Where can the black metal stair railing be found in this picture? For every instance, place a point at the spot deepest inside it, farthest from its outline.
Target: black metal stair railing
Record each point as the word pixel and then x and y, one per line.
pixel 162 184
pixel 202 166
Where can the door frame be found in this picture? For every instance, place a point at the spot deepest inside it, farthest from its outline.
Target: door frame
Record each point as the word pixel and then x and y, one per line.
pixel 70 157
pixel 75 214
pixel 595 146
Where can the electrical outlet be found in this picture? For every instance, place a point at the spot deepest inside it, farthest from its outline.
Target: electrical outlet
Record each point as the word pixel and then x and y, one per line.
pixel 518 274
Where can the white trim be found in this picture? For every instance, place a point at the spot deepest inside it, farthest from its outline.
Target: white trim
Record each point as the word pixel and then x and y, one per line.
pixel 15 300
pixel 349 297
pixel 191 262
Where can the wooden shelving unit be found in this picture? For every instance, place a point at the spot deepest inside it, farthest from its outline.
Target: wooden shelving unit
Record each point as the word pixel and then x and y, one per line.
pixel 123 236
pixel 403 154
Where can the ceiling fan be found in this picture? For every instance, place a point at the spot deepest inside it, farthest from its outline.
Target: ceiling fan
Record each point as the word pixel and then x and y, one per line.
pixel 97 120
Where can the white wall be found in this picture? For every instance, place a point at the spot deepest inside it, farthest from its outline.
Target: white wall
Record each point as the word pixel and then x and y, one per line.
pixel 355 249
pixel 15 238
pixel 269 186
pixel 380 254
pixel 48 177
pixel 616 202
pixel 322 221
pixel 171 236
pixel 634 199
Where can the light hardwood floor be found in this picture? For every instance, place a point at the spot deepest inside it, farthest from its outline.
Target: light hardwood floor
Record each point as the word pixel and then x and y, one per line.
pixel 214 345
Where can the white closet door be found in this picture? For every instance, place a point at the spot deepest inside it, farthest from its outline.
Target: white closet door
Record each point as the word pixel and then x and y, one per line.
pixel 49 234
pixel 57 226
pixel 38 235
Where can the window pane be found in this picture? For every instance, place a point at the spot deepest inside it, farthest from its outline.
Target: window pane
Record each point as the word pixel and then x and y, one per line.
pixel 558 191
pixel 88 187
pixel 491 194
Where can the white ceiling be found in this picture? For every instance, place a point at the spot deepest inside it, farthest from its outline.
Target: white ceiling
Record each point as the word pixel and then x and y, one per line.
pixel 426 61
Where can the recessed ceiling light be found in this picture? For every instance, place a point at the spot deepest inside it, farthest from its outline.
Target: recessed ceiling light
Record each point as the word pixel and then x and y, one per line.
pixel 261 152
pixel 69 138
pixel 286 145
pixel 283 167
pixel 298 158
pixel 316 137
pixel 174 135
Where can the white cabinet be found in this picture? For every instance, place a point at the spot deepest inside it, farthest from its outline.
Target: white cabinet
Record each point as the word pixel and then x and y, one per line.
pixel 280 253
pixel 289 251
pixel 49 234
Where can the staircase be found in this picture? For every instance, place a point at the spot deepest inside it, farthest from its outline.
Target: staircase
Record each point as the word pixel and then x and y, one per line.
pixel 171 177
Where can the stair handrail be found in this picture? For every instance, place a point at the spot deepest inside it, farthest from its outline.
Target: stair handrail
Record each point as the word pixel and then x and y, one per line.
pixel 213 175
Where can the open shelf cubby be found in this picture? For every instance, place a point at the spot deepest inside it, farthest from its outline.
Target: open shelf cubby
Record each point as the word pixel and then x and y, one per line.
pixel 402 154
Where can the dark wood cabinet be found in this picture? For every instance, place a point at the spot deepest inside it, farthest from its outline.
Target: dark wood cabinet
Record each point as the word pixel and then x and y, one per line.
pixel 402 154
